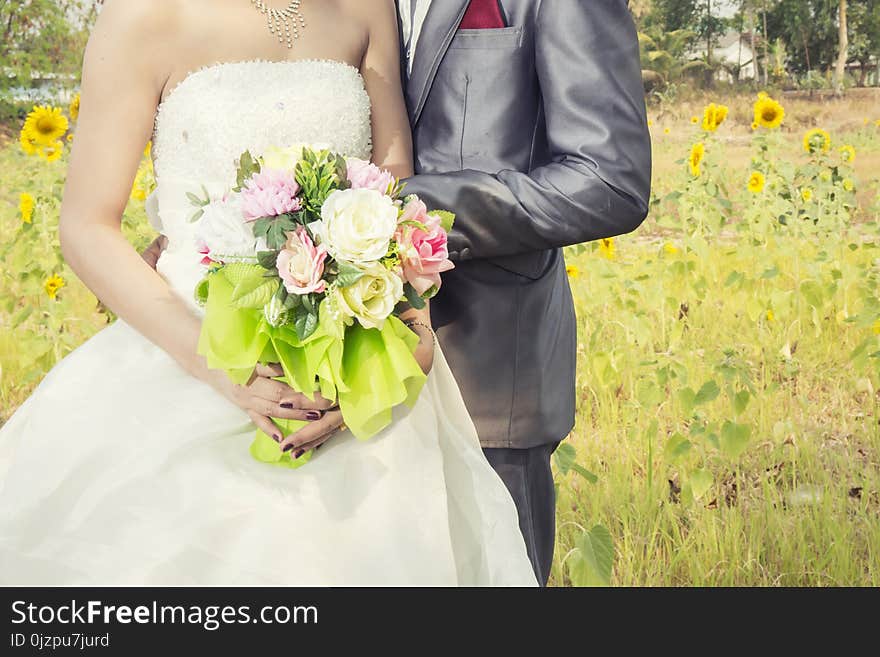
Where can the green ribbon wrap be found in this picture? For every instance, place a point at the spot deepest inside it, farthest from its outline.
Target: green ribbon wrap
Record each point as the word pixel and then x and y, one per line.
pixel 368 372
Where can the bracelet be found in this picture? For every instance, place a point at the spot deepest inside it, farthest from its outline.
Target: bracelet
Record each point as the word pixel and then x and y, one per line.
pixel 409 325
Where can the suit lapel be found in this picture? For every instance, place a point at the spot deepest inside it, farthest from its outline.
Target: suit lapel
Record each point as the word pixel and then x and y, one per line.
pixel 441 23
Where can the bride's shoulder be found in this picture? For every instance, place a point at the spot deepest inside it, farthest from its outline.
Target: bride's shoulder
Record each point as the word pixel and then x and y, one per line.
pixel 376 15
pixel 141 18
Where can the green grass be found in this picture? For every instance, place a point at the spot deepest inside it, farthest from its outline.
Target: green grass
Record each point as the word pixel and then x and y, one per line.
pixel 731 446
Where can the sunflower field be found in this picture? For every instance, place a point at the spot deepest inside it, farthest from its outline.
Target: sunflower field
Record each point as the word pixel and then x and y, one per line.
pixel 729 350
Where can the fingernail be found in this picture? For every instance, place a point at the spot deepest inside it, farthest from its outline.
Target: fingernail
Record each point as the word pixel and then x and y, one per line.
pixel 313 415
pixel 287 405
pixel 277 437
pixel 298 453
pixel 287 448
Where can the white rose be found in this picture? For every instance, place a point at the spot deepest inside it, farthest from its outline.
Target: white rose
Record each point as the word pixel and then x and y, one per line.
pixel 224 231
pixel 372 298
pixel 357 225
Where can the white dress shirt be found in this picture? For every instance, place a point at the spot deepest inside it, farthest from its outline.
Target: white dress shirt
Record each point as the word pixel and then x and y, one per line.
pixel 412 16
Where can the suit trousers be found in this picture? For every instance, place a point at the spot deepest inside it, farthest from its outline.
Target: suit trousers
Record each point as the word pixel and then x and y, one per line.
pixel 529 478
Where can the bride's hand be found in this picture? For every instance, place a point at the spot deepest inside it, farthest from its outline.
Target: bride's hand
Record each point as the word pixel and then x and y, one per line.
pixel 264 398
pixel 320 431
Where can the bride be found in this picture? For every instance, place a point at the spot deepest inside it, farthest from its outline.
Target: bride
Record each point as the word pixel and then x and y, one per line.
pixel 129 464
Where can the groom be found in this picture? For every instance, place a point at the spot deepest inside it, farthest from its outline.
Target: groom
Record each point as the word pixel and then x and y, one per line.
pixel 529 123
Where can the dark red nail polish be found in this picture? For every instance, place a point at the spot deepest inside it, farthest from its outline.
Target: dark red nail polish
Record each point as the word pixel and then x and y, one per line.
pixel 298 453
pixel 277 437
pixel 313 415
pixel 287 448
pixel 287 405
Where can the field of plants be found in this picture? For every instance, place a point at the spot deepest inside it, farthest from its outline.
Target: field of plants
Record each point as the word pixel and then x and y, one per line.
pixel 729 356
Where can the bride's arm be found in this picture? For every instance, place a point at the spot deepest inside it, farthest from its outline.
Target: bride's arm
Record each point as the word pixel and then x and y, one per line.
pixel 126 67
pixel 392 136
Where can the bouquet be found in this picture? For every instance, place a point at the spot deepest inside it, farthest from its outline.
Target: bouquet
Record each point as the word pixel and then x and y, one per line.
pixel 308 261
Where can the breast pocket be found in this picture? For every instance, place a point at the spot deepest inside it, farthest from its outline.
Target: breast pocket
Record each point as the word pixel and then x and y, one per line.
pixel 494 39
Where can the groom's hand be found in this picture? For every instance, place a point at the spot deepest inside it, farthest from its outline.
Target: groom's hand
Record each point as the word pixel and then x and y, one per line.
pixel 154 251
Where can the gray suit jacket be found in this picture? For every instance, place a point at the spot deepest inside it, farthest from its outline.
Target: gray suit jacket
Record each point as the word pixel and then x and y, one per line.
pixel 535 135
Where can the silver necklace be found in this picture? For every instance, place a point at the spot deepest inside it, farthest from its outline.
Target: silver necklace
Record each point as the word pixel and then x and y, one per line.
pixel 285 23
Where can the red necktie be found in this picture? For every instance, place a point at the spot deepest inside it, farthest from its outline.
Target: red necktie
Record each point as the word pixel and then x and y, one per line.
pixel 482 15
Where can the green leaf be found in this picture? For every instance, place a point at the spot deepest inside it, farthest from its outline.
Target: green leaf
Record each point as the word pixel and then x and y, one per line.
pixel 734 438
pixel 348 274
pixel 201 291
pixel 447 219
pixel 196 216
pixel 247 167
pixel 687 399
pixel 709 392
pixel 740 401
pixel 700 482
pixel 293 301
pixel 676 447
pixel 267 259
pixel 565 458
pixel 413 297
pixel 254 292
pixel 592 560
pixel 261 226
pixel 276 236
pixel 305 323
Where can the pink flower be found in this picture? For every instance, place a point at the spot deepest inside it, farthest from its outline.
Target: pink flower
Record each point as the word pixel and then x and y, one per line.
pixel 423 253
pixel 366 175
pixel 301 264
pixel 270 193
pixel 204 251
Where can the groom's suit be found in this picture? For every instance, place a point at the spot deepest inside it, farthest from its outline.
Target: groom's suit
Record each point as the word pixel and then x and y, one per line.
pixel 531 127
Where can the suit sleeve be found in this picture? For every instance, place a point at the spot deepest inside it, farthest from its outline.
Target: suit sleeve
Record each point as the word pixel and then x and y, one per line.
pixel 597 183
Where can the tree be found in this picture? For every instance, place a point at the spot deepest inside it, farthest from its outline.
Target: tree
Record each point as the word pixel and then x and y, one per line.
pixel 42 36
pixel 843 49
pixel 863 17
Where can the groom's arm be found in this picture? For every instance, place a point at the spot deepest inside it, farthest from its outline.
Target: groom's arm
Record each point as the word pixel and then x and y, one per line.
pixel 598 183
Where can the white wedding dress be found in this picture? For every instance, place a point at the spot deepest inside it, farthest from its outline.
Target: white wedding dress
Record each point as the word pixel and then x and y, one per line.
pixel 121 469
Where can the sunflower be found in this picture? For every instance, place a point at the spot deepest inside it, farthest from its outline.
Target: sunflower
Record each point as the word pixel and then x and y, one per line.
pixel 713 116
pixel 74 107
pixel 52 153
pixel 768 112
pixel 70 138
pixel 848 153
pixel 806 194
pixel 650 123
pixel 770 316
pixel 143 182
pixel 755 125
pixel 695 119
pixel 670 248
pixel 698 151
pixel 52 285
pixel 573 271
pixel 26 205
pixel 848 185
pixel 877 123
pixel 757 182
pixel 667 131
pixel 825 175
pixel 817 140
pixel 875 327
pixel 28 145
pixel 45 125
pixel 607 248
